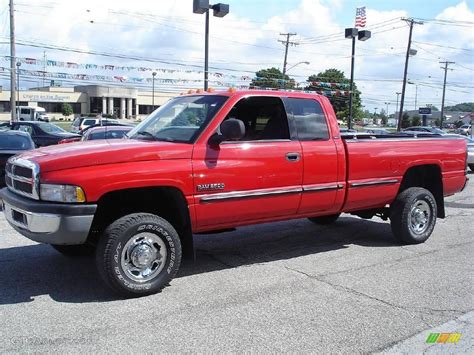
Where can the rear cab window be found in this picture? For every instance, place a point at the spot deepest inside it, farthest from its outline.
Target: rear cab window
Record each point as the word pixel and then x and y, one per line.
pixel 308 118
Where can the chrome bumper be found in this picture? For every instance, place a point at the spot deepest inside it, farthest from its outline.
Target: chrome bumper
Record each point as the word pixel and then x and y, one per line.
pixel 46 222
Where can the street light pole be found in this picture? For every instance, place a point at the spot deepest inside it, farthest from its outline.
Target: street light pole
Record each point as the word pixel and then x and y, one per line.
pixel 351 87
pixel 416 92
pixel 287 70
pixel 352 33
pixel 18 64
pixel 153 91
pixel 219 10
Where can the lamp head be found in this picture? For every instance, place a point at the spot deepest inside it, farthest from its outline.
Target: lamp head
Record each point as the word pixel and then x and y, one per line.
pixel 220 10
pixel 200 6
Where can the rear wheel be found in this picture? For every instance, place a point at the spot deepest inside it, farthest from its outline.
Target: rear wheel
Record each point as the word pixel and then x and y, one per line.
pixel 413 215
pixel 471 166
pixel 138 254
pixel 324 220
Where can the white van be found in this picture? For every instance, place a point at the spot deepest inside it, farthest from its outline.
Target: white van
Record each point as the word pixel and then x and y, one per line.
pixel 31 113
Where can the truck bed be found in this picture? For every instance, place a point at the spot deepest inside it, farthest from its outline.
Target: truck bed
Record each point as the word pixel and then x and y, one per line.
pixel 376 165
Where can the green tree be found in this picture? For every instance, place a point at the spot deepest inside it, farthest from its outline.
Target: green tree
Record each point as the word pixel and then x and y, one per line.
pixel 67 109
pixel 416 121
pixel 405 120
pixel 463 107
pixel 272 78
pixel 339 103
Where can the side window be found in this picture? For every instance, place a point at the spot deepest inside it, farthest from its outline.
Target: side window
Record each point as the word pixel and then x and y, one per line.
pixel 25 128
pixel 264 118
pixel 309 119
pixel 25 111
pixel 115 134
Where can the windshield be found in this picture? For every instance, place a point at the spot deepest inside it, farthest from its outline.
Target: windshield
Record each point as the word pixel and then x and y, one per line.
pixel 180 119
pixel 50 128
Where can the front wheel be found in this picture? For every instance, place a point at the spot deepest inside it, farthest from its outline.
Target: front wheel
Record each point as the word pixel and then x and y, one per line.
pixel 138 254
pixel 413 215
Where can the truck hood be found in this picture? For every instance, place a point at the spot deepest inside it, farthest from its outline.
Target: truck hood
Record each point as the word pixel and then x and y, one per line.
pixel 101 152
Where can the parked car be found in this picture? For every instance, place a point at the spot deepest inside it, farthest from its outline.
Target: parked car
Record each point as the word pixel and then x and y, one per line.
pixel 214 161
pixel 106 127
pixel 12 143
pixel 81 123
pixel 100 132
pixel 470 148
pixel 106 132
pixel 426 129
pixel 42 133
pixel 464 130
pixel 470 153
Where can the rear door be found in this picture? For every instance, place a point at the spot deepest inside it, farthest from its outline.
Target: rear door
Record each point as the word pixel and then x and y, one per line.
pixel 256 178
pixel 320 158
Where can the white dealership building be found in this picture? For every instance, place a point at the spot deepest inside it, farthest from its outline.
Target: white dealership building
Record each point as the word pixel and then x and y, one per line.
pixel 122 102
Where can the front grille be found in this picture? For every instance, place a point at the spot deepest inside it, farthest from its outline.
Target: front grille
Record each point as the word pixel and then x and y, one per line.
pixel 21 176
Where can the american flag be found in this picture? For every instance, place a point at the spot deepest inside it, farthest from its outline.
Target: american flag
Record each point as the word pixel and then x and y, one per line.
pixel 360 17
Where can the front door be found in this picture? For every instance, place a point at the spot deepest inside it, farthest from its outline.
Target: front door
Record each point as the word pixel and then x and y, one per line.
pixel 256 178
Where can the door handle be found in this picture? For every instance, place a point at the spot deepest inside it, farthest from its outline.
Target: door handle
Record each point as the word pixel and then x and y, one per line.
pixel 293 157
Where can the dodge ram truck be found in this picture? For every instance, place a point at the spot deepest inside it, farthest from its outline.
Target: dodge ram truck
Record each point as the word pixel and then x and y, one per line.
pixel 214 161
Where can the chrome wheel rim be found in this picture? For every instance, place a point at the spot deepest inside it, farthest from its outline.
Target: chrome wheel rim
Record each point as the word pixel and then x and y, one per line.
pixel 143 257
pixel 420 217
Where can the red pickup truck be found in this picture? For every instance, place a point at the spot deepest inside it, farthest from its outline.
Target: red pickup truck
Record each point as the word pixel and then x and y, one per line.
pixel 211 161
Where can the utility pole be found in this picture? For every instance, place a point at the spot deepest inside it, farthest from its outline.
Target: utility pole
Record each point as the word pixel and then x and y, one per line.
pixel 287 43
pixel 12 63
pixel 446 63
pixel 411 22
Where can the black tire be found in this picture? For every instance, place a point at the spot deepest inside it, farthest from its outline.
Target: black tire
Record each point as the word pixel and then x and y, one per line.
pixel 325 220
pixel 132 237
pixel 413 215
pixel 74 250
pixel 471 166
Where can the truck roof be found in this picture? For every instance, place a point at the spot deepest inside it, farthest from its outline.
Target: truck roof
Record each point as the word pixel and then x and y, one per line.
pixel 240 93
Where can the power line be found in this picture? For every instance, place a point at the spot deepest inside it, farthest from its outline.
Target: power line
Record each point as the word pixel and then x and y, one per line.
pixel 442 46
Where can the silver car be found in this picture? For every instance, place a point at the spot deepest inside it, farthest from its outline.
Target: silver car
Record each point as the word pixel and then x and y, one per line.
pixel 464 130
pixel 470 153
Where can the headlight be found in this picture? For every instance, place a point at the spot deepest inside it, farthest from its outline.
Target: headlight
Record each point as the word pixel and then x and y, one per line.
pixel 62 193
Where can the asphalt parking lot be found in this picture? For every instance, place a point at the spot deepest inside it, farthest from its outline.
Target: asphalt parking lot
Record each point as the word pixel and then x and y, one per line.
pixel 282 287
